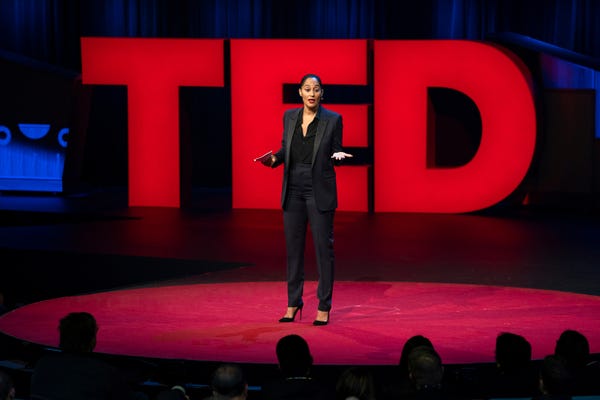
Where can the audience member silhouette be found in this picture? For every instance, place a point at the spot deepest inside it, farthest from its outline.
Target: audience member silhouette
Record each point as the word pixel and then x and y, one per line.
pixel 75 372
pixel 296 381
pixel 355 383
pixel 514 374
pixel 555 380
pixel 409 345
pixel 573 348
pixel 426 373
pixel 400 384
pixel 7 388
pixel 229 383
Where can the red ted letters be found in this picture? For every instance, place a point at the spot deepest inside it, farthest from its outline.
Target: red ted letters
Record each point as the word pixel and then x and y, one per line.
pixel 496 81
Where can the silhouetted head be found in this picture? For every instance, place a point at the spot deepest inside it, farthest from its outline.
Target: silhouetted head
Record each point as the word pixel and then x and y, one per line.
pixel 409 345
pixel 425 367
pixel 355 382
pixel 293 356
pixel 228 382
pixel 573 348
pixel 78 332
pixel 513 352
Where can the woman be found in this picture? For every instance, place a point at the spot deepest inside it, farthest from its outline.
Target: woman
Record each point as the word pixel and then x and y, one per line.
pixel 312 141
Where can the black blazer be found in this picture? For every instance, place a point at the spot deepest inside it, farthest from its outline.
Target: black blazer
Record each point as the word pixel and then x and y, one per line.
pixel 327 141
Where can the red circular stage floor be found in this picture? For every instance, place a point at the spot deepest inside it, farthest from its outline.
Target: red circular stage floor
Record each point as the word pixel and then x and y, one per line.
pixel 370 321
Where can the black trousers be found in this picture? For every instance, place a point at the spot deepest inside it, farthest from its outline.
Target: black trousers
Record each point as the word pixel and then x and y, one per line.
pixel 300 210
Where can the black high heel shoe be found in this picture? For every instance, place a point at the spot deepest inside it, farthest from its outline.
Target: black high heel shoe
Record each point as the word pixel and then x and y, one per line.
pixel 293 317
pixel 318 322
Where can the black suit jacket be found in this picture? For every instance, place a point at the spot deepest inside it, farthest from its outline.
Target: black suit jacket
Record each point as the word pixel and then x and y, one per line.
pixel 327 141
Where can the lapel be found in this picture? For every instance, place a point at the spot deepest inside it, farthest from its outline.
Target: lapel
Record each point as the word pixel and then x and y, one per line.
pixel 289 134
pixel 320 132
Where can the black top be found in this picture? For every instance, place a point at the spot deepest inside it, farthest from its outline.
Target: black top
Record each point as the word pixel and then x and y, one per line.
pixel 302 146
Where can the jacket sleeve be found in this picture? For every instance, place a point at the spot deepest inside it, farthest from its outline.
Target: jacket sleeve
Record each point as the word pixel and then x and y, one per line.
pixel 336 144
pixel 280 154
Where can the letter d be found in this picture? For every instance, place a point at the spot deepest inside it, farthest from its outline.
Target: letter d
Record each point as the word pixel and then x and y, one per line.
pixel 500 87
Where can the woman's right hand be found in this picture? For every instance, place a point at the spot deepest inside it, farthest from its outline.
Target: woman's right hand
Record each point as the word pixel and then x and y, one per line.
pixel 268 162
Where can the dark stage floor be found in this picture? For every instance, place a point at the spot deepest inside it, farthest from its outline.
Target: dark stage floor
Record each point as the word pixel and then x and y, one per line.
pixel 56 245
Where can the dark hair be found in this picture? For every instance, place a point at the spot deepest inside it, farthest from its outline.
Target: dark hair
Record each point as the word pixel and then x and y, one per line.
pixel 409 345
pixel 425 367
pixel 294 356
pixel 228 381
pixel 355 382
pixel 512 351
pixel 78 332
pixel 308 76
pixel 573 348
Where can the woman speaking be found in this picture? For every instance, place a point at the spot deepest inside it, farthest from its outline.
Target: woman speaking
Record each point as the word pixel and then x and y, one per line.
pixel 312 142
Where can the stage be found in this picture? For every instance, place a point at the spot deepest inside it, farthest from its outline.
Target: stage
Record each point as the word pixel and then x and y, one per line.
pixel 207 284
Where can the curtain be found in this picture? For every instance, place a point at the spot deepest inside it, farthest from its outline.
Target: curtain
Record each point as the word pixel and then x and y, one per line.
pixel 49 30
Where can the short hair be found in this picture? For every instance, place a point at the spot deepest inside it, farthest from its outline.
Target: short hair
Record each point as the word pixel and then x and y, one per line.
pixel 293 355
pixel 425 366
pixel 409 345
pixel 228 381
pixel 512 351
pixel 573 348
pixel 78 332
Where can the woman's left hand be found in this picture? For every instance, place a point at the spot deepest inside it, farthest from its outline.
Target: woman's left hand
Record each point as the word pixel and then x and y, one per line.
pixel 340 155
